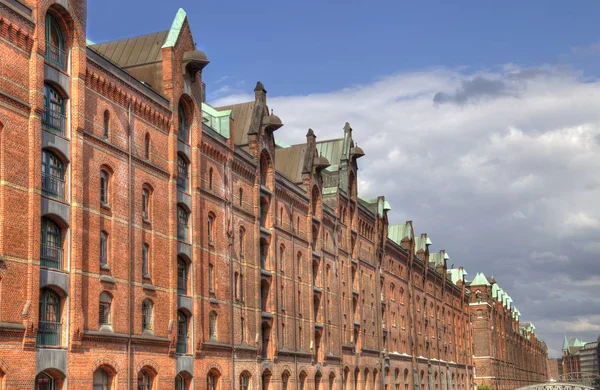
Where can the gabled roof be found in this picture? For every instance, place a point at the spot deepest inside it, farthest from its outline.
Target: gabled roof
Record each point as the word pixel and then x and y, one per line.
pixel 129 52
pixel 480 280
pixel 333 151
pixel 288 161
pixel 242 116
pixel 397 233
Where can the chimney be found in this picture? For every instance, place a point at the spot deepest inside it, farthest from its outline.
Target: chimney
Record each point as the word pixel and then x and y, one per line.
pixel 260 93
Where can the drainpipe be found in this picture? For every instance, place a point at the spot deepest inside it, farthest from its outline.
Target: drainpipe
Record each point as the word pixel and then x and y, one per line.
pixel 130 229
pixel 229 210
pixel 294 278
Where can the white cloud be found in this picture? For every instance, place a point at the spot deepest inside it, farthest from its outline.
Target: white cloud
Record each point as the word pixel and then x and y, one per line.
pixel 502 171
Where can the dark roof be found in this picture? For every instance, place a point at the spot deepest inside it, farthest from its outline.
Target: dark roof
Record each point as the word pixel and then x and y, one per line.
pixel 129 52
pixel 288 161
pixel 242 116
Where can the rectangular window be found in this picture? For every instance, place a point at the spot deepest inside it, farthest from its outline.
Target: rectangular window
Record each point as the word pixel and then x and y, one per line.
pixel 104 318
pixel 145 196
pixel 145 271
pixel 103 188
pixel 211 286
pixel 103 249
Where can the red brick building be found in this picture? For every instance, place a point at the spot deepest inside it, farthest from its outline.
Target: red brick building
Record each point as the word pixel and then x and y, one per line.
pixel 167 244
pixel 507 353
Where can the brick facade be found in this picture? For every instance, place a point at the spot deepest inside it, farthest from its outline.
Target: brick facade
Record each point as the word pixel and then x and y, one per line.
pixel 166 243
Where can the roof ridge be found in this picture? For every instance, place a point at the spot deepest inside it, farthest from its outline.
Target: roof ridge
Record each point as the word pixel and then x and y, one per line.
pixel 90 43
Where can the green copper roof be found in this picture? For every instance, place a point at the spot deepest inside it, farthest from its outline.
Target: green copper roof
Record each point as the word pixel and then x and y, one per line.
pixel 386 205
pixel 281 144
pixel 457 274
pixel 89 43
pixel 397 233
pixel 480 280
pixel 175 29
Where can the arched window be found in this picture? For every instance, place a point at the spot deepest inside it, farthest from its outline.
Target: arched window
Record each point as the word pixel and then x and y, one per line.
pixel 301 381
pixel 285 378
pixel 104 316
pixel 56 50
pixel 242 237
pixel 104 187
pixel 103 250
pixel 49 327
pixel 182 332
pixel 44 382
pixel 212 380
pixel 209 228
pixel 51 252
pixel 179 382
pixel 53 175
pixel 53 118
pixel 182 224
pixel 244 381
pixel 212 326
pixel 106 123
pixel 147 315
pixel 145 261
pixel 182 173
pixel 147 146
pixel 144 380
pixel 331 380
pixel 182 276
pixel 184 132
pixel 318 381
pixel 101 380
pixel 145 204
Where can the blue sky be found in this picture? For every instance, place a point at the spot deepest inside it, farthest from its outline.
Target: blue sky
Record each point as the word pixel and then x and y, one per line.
pixel 480 121
pixel 316 46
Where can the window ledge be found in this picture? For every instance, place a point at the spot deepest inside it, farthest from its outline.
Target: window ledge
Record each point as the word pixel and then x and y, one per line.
pixel 105 205
pixel 106 328
pixel 104 267
pixel 147 286
pixel 107 279
pixel 213 300
pixel 146 221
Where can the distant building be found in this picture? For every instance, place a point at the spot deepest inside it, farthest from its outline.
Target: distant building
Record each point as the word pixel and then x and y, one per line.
pixel 580 356
pixel 554 367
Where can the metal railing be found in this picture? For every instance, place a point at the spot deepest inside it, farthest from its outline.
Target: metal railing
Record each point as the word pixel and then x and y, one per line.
pixel 49 333
pixel 182 233
pixel 56 56
pixel 182 342
pixel 181 285
pixel 51 256
pixel 54 121
pixel 182 183
pixel 53 186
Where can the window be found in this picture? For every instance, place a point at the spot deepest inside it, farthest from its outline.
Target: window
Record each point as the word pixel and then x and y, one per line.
pixel 209 228
pixel 106 123
pixel 182 173
pixel 212 326
pixel 44 382
pixel 51 252
pixel 56 53
pixel 103 250
pixel 244 381
pixel 182 332
pixel 147 146
pixel 183 133
pixel 299 265
pixel 181 276
pixel 211 381
pixel 104 316
pixel 179 382
pixel 53 117
pixel 284 381
pixel 241 196
pixel 242 236
pixel 145 267
pixel 182 223
pixel 211 270
pixel 144 381
pixel 281 258
pixel 210 178
pixel 236 280
pixel 241 288
pixel 101 380
pixel 53 175
pixel 103 187
pixel 145 204
pixel 146 315
pixel 243 326
pixel 301 381
pixel 49 327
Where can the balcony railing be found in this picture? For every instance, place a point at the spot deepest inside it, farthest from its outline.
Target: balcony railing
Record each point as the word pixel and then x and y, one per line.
pixel 49 333
pixel 53 186
pixel 183 133
pixel 56 56
pixel 182 183
pixel 182 342
pixel 51 256
pixel 182 233
pixel 54 121
pixel 181 285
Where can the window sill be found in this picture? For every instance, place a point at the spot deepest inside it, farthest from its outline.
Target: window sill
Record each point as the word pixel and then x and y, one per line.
pixel 104 267
pixel 106 328
pixel 146 221
pixel 149 287
pixel 107 279
pixel 105 206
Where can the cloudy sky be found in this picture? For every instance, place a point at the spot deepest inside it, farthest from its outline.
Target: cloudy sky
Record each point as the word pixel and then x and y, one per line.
pixel 480 122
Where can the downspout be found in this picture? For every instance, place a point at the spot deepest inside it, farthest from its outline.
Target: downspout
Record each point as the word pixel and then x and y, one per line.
pixel 229 209
pixel 295 278
pixel 130 232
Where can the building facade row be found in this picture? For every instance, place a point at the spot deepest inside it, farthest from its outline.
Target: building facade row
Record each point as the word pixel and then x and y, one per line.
pixel 166 243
